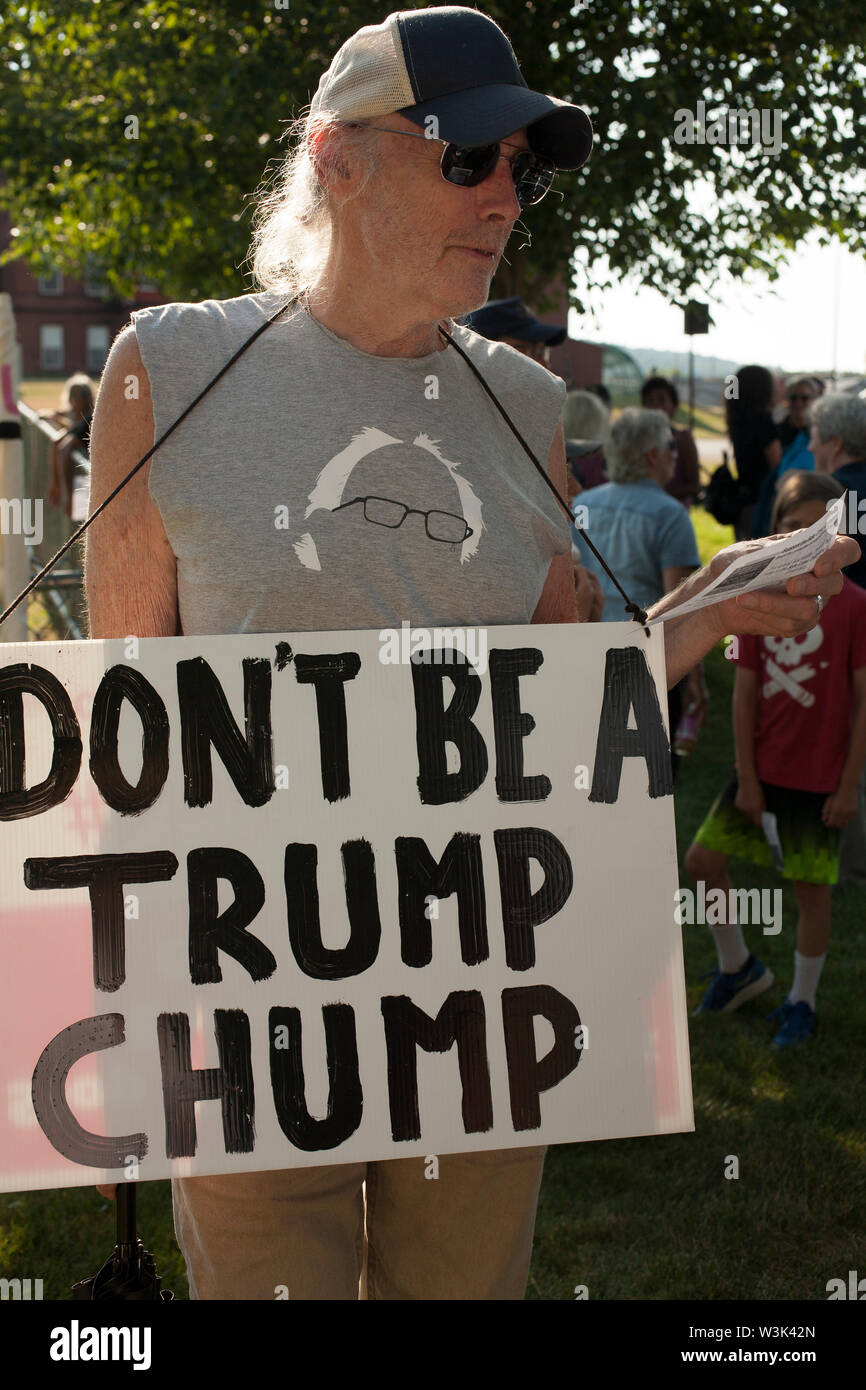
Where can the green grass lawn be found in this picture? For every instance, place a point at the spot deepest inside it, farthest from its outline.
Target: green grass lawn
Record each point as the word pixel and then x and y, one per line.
pixel 709 421
pixel 650 1218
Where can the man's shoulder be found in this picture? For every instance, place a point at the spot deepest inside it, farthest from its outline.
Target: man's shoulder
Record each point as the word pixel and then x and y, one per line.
pixel 505 367
pixel 605 495
pixel 648 498
pixel 183 342
pixel 181 314
pixel 671 508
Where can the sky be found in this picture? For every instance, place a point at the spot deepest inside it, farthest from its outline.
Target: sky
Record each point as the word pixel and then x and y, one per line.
pixel 788 324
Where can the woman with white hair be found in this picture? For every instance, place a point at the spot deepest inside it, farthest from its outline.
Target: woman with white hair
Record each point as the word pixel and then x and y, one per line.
pixel 646 537
pixel 586 426
pixel 644 534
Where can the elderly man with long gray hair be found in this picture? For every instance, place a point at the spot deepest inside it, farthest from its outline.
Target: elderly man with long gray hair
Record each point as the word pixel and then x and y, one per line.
pixel 358 413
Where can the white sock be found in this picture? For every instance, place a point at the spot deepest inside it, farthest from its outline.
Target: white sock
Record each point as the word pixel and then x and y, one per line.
pixel 807 973
pixel 731 947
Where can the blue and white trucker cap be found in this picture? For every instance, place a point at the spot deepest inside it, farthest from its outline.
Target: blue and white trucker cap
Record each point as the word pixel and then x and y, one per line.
pixel 455 64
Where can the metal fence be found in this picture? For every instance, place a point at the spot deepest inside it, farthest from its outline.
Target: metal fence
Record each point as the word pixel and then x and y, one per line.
pixel 56 608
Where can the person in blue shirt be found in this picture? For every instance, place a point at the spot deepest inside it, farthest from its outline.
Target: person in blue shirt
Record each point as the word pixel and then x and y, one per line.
pixel 646 537
pixel 644 534
pixel 802 392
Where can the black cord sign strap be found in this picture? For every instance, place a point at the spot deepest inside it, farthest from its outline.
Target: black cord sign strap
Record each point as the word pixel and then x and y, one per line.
pixel 637 613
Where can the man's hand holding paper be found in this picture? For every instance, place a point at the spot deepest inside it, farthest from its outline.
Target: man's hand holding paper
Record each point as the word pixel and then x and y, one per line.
pixel 766 587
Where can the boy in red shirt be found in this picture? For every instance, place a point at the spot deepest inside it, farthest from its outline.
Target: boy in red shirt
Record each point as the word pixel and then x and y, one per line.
pixel 800 739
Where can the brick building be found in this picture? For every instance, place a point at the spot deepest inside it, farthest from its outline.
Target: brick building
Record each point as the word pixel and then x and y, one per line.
pixel 64 325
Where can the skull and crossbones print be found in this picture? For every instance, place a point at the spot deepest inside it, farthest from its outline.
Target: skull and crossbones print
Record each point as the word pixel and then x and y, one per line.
pixel 787 668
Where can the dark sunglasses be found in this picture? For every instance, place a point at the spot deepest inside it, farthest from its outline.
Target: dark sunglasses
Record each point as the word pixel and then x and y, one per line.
pixel 804 399
pixel 468 165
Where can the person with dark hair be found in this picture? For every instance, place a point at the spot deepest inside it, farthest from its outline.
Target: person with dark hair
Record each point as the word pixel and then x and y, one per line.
pixel 793 428
pixel 602 392
pixel 754 438
pixel 801 393
pixel 800 737
pixel 659 393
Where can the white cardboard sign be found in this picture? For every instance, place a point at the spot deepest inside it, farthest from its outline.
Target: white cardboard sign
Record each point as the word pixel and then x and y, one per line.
pixel 273 900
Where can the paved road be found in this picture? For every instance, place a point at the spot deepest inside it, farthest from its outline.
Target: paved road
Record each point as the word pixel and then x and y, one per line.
pixel 710 451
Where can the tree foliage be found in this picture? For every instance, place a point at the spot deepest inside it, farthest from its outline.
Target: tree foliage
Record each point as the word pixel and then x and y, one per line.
pixel 212 86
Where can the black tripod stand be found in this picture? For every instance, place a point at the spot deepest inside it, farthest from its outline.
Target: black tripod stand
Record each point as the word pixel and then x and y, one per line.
pixel 129 1273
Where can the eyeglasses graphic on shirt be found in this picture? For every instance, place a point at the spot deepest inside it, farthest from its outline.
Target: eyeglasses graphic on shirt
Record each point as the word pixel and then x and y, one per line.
pixel 384 511
pixel 468 165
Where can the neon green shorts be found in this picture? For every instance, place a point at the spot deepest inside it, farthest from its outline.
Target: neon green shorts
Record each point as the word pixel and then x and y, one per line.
pixel 810 849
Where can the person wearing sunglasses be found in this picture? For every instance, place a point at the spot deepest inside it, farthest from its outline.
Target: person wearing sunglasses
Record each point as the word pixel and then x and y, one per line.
pixel 801 394
pixel 793 431
pixel 359 412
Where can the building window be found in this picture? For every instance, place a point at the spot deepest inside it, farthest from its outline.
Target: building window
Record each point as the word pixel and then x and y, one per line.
pixel 94 286
pixel 97 346
pixel 50 284
pixel 52 351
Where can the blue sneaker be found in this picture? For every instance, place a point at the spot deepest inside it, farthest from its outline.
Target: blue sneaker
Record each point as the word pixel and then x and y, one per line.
pixel 727 992
pixel 797 1023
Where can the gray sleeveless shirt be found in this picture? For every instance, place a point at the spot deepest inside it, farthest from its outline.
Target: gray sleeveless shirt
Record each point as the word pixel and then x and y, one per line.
pixel 317 487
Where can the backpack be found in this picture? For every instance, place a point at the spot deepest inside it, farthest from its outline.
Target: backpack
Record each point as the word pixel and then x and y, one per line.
pixel 725 496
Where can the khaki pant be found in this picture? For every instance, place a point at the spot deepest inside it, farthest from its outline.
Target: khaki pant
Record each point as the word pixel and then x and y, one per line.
pixel 364 1230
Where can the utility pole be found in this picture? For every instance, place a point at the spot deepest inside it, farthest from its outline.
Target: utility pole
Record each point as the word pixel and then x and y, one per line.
pixel 697 320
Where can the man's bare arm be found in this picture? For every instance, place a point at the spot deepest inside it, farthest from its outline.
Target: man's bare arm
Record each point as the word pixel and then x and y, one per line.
pixel 130 568
pixel 558 603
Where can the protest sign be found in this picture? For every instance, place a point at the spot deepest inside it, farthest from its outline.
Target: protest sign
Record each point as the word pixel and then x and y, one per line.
pixel 274 900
